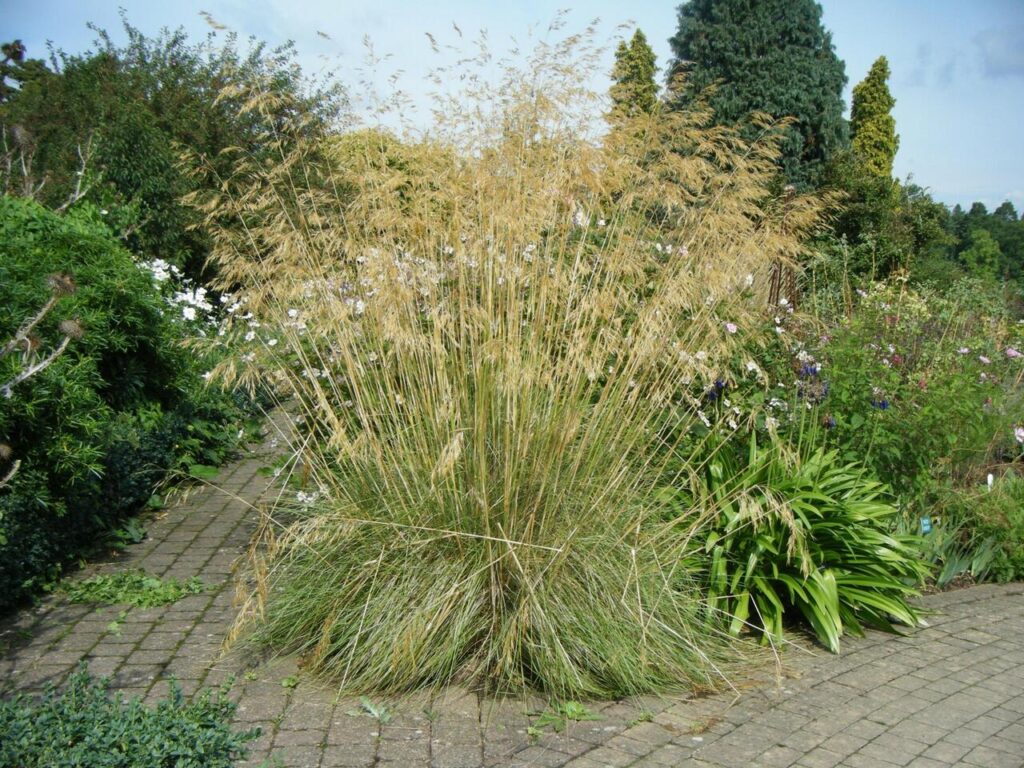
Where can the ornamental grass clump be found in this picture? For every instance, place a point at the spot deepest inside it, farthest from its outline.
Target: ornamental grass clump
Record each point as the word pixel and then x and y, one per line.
pixel 495 335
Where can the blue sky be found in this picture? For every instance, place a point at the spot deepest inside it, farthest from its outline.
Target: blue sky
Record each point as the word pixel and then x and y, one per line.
pixel 958 65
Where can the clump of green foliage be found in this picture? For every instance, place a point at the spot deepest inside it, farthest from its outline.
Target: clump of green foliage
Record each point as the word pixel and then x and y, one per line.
pixel 102 424
pixel 805 536
pixel 979 531
pixel 83 726
pixel 133 587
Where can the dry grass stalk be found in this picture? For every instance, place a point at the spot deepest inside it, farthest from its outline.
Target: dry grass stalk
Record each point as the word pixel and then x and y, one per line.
pixel 497 334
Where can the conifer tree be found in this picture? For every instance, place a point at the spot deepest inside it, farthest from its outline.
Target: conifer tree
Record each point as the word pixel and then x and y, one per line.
pixel 770 56
pixel 872 126
pixel 634 91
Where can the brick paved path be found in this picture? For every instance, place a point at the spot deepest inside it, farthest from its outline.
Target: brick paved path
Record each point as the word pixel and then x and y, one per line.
pixel 951 694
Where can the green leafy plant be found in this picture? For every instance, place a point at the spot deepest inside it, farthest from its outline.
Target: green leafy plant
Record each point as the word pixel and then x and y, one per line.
pixel 557 717
pixel 100 425
pixel 379 712
pixel 83 726
pixel 133 587
pixel 809 536
pixel 114 627
pixel 978 532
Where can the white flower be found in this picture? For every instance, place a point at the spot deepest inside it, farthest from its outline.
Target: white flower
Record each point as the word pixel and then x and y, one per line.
pixel 749 280
pixel 601 222
pixel 189 313
pixel 293 313
pixel 1018 435
pixel 732 424
pixel 306 499
pixel 250 335
pixel 360 306
pixel 783 302
pixel 271 342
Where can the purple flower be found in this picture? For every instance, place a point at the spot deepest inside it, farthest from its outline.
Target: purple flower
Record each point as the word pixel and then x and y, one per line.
pixel 963 351
pixel 731 327
pixel 1012 352
pixel 715 390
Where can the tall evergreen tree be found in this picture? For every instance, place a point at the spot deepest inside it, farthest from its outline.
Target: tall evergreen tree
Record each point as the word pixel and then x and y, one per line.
pixel 634 91
pixel 770 56
pixel 872 126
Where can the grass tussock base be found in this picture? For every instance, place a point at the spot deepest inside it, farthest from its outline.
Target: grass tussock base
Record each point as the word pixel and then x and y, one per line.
pixel 498 335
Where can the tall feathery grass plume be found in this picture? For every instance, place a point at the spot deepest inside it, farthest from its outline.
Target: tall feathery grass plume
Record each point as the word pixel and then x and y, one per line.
pixel 496 334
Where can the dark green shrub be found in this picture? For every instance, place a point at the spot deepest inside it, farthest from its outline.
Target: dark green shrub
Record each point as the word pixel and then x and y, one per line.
pixel 97 429
pixel 86 727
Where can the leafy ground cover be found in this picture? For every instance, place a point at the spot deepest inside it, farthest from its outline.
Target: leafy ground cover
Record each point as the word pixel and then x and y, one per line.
pixel 85 726
pixel 133 587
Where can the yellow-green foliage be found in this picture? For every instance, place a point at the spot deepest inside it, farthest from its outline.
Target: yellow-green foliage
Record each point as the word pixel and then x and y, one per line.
pixel 495 338
pixel 872 126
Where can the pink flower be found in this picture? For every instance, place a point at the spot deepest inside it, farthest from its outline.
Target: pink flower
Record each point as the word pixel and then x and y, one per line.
pixel 984 359
pixel 1011 352
pixel 963 351
pixel 731 327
